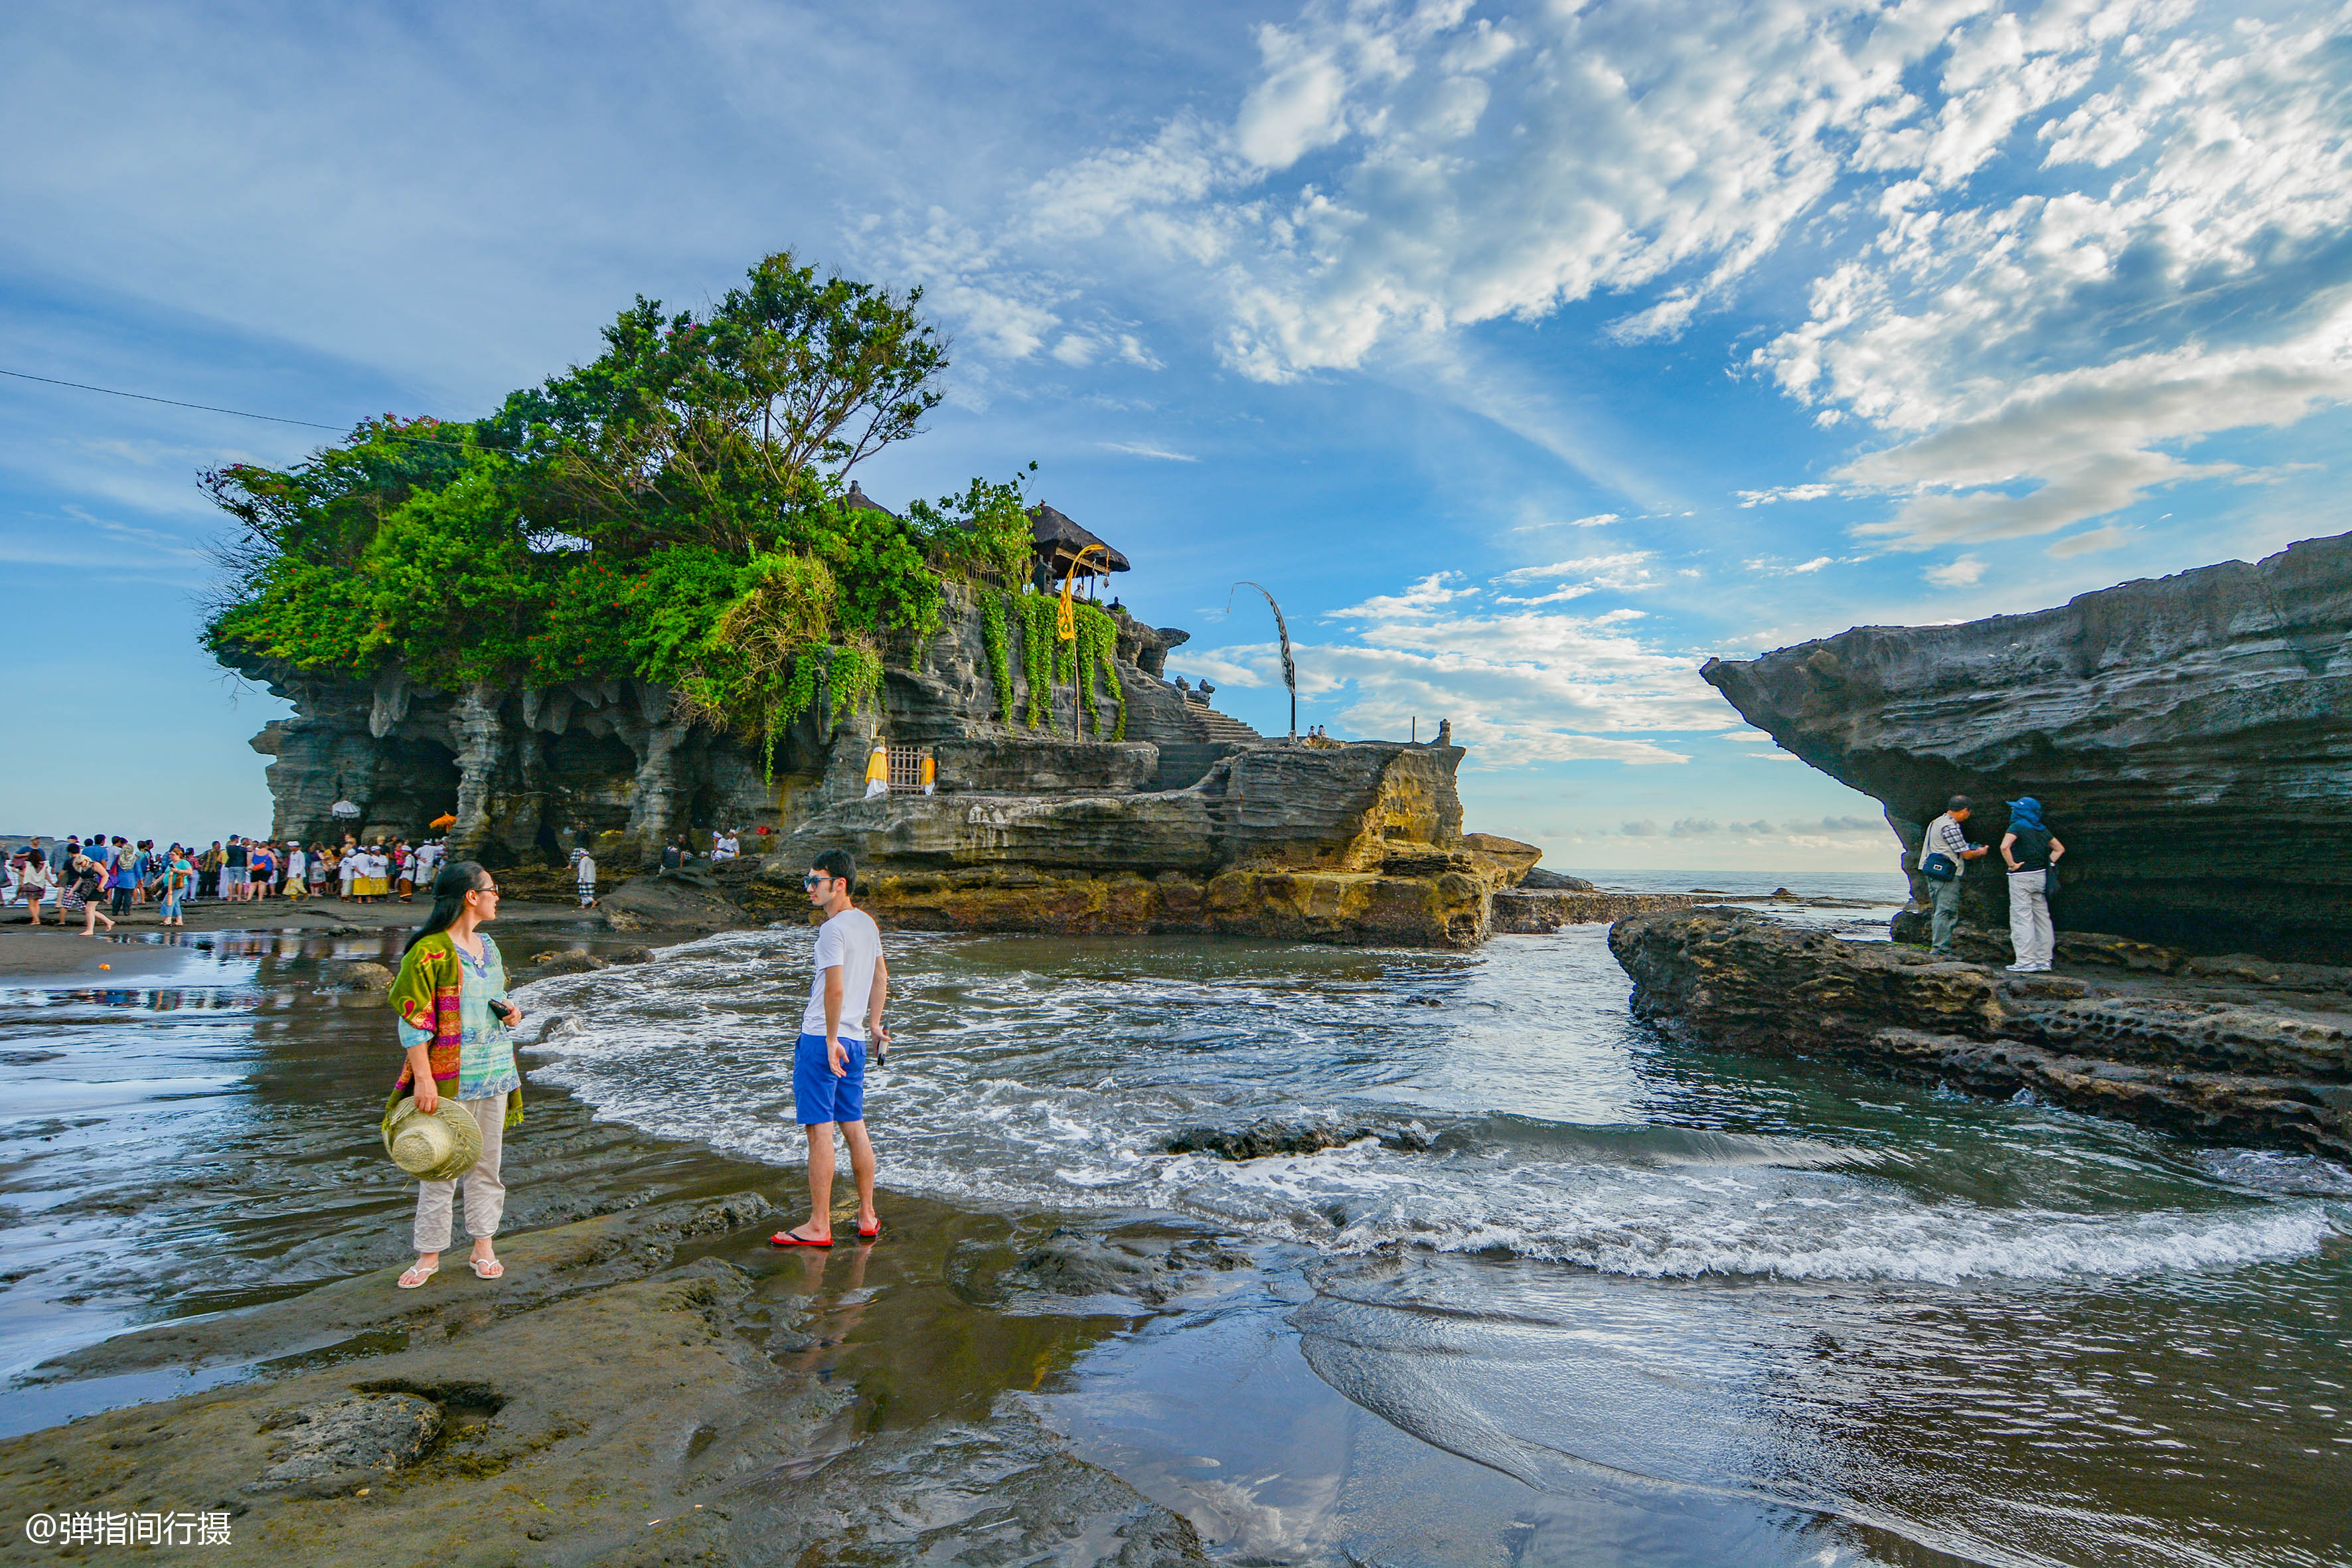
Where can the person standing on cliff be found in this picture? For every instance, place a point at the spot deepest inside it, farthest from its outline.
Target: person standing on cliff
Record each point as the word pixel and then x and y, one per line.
pixel 1947 838
pixel 2032 851
pixel 829 1060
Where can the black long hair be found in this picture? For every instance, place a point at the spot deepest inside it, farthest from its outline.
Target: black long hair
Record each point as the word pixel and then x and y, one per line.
pixel 457 879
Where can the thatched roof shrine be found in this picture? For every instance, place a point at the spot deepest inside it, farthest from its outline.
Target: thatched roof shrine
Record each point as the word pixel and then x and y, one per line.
pixel 859 497
pixel 1057 542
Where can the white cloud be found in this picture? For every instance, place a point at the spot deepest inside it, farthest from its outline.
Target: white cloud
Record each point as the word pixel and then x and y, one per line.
pixel 1623 563
pixel 1520 685
pixel 1957 572
pixel 2054 249
pixel 1786 492
pixel 1598 520
pixel 1146 449
pixel 2090 541
pixel 1421 598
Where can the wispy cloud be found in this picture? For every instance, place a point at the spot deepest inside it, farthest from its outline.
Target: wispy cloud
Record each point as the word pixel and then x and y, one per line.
pixel 1145 449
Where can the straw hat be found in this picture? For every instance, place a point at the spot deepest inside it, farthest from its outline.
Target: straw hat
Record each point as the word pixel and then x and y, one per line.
pixel 441 1147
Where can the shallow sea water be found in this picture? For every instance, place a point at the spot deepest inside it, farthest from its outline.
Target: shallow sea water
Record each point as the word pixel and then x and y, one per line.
pixel 1635 1302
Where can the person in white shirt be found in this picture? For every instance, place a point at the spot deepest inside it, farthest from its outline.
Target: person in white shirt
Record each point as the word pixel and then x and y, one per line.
pixel 1947 838
pixel 829 1060
pixel 725 846
pixel 297 870
pixel 583 870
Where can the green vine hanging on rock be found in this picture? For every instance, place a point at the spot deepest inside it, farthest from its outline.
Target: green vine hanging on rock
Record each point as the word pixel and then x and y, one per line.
pixel 1037 617
pixel 995 635
pixel 1097 654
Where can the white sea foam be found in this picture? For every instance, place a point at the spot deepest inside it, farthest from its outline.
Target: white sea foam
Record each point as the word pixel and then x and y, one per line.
pixel 1018 1087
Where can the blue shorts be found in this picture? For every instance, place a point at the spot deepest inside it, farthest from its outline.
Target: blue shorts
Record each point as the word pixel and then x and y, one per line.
pixel 817 1095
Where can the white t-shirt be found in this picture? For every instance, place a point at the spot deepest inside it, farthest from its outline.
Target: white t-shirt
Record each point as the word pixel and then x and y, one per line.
pixel 852 941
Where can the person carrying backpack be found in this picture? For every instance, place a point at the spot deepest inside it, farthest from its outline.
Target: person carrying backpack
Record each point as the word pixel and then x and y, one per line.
pixel 1944 859
pixel 2032 852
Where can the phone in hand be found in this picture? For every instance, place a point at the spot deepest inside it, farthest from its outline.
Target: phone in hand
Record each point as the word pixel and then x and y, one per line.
pixel 504 1009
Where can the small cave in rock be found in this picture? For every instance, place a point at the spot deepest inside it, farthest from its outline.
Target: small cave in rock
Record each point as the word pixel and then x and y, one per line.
pixel 416 781
pixel 592 782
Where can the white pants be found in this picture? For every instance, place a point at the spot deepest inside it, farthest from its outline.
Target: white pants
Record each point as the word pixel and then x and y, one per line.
pixel 2028 918
pixel 486 1196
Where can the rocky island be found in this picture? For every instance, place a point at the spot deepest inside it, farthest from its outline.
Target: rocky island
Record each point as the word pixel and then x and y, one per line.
pixel 2188 739
pixel 643 601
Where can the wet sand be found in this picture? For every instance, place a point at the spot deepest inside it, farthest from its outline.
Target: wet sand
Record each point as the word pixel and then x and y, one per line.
pixel 650 1380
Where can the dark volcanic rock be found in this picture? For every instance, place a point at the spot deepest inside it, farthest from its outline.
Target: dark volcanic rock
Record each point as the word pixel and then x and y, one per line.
pixel 1261 1139
pixel 2226 1069
pixel 2187 736
pixel 345 1441
pixel 1069 1263
pixel 650 902
pixel 1532 913
pixel 1542 881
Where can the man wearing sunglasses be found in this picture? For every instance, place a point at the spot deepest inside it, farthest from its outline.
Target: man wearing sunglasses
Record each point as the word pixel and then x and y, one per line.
pixel 829 1061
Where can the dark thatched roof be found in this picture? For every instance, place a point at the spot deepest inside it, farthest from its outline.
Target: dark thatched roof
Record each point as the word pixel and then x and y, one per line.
pixel 858 498
pixel 1055 537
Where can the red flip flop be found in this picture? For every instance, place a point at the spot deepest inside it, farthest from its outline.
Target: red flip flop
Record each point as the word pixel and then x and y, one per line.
pixel 786 1239
pixel 865 1235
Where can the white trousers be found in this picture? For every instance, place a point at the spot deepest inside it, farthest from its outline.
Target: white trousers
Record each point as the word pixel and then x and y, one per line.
pixel 2028 918
pixel 486 1196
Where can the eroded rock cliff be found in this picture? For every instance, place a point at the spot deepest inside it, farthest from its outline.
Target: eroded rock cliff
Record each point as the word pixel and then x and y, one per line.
pixel 1191 822
pixel 1354 844
pixel 2189 737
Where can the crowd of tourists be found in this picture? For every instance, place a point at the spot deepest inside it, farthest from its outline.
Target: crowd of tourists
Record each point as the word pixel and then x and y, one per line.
pixel 98 878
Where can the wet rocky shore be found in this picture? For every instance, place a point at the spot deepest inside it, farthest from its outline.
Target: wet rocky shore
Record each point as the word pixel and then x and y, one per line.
pixel 652 1385
pixel 2229 1049
pixel 650 1380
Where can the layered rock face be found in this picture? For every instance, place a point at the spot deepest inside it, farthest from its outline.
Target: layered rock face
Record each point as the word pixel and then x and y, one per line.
pixel 2190 738
pixel 2238 1055
pixel 1355 844
pixel 528 771
pixel 1192 821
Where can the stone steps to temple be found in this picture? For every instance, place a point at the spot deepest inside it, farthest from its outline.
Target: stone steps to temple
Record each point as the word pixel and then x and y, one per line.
pixel 1224 727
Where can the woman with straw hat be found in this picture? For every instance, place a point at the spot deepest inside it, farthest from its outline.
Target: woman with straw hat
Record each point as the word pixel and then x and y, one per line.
pixel 454 1022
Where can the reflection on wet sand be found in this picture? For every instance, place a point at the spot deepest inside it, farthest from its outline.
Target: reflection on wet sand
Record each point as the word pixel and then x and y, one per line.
pixel 1623 1303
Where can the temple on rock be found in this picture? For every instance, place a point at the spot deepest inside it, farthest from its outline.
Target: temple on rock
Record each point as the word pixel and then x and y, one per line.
pixel 1135 807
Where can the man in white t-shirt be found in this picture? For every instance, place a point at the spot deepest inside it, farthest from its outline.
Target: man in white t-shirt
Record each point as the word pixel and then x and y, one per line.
pixel 429 857
pixel 829 1060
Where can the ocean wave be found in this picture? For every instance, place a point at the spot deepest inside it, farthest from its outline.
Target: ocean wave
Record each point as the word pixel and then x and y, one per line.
pixel 1026 1089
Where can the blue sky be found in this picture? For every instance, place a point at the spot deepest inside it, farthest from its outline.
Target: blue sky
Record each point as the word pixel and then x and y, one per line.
pixel 1530 353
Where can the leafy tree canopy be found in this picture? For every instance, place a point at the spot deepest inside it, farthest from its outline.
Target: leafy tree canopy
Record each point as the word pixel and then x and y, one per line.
pixel 674 510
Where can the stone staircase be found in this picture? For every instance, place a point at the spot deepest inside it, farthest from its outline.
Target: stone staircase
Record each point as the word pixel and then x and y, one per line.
pixel 1193 737
pixel 1222 728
